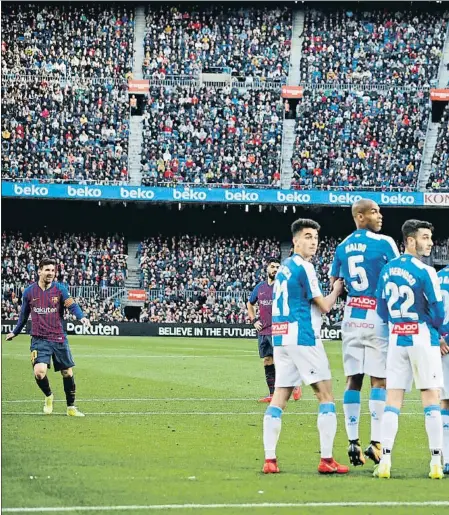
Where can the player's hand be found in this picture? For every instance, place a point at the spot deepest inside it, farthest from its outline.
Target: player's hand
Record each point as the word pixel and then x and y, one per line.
pixel 86 322
pixel 258 325
pixel 444 347
pixel 338 287
pixel 10 337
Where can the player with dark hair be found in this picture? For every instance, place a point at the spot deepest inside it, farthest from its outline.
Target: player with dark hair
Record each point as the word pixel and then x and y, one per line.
pixel 263 296
pixel 358 260
pixel 45 300
pixel 299 352
pixel 409 299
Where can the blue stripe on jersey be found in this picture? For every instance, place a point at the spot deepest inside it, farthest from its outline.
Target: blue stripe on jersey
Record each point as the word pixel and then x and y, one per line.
pixel 405 341
pixel 358 313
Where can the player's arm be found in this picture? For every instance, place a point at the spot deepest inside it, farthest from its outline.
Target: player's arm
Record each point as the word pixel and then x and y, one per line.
pixel 382 306
pixel 314 293
pixel 252 310
pixel 72 306
pixel 335 269
pixel 23 318
pixel 432 291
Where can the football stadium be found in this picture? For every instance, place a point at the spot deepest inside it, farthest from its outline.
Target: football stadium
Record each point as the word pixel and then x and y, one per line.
pixel 225 249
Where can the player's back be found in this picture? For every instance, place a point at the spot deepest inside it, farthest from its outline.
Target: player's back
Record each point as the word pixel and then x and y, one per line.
pixel 359 260
pixel 443 277
pixel 412 299
pixel 295 319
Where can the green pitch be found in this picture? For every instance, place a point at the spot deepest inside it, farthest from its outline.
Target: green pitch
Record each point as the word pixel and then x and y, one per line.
pixel 175 422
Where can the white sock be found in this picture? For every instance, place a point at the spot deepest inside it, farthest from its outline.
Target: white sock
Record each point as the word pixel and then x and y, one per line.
pixel 434 429
pixel 327 427
pixel 445 418
pixel 376 408
pixel 351 408
pixel 390 424
pixel 271 431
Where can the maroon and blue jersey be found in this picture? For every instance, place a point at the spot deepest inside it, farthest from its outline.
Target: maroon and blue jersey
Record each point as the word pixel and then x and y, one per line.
pixel 46 308
pixel 263 295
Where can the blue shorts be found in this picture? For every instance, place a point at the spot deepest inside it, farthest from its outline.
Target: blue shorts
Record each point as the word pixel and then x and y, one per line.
pixel 43 351
pixel 265 345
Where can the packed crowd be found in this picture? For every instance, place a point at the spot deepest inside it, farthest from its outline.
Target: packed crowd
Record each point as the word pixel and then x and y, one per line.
pixel 194 263
pixel 359 140
pixel 87 260
pixel 396 47
pixel 439 172
pixel 91 39
pixel 208 136
pixel 245 41
pixel 71 134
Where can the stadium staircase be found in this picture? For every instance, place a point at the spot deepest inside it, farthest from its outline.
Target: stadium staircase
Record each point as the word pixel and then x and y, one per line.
pixel 294 73
pixel 135 150
pixel 133 280
pixel 139 41
pixel 294 77
pixel 433 128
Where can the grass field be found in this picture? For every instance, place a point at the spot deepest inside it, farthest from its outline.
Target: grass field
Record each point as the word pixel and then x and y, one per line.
pixel 176 422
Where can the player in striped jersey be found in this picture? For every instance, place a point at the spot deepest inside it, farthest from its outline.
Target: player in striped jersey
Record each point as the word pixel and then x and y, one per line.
pixel 358 260
pixel 45 300
pixel 443 276
pixel 409 299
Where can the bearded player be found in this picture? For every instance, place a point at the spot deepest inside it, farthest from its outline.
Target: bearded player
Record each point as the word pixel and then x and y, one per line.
pixel 263 296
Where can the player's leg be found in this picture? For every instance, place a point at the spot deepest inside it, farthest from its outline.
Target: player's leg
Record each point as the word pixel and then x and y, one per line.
pixel 353 364
pixel 375 365
pixel 40 360
pixel 445 413
pixel 287 376
pixel 266 353
pixel 399 379
pixel 314 369
pixel 63 362
pixel 327 428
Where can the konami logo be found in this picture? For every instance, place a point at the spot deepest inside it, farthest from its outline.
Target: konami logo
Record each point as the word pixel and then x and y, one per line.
pixel 279 328
pixel 363 302
pixel 406 328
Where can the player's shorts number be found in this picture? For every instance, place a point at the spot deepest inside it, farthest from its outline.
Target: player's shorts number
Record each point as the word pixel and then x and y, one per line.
pixel 357 272
pixel 394 292
pixel 446 306
pixel 280 290
pixel 33 355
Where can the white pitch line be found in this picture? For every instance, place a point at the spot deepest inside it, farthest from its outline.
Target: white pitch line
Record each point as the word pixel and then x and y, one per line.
pixel 176 399
pixel 155 356
pixel 172 413
pixel 218 506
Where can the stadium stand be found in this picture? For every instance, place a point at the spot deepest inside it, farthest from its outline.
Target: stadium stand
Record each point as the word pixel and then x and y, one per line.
pixel 439 174
pixel 71 134
pixel 211 136
pixel 91 39
pixel 359 140
pixel 244 41
pixel 372 45
pixel 82 260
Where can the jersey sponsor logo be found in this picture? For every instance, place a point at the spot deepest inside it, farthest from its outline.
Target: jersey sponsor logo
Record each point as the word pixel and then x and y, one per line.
pixel 358 325
pixel 279 328
pixel 406 328
pixel 363 302
pixel 266 302
pixel 44 311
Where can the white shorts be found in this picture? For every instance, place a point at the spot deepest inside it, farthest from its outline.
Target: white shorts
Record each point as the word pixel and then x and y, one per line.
pixel 445 389
pixel 420 362
pixel 365 344
pixel 300 363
